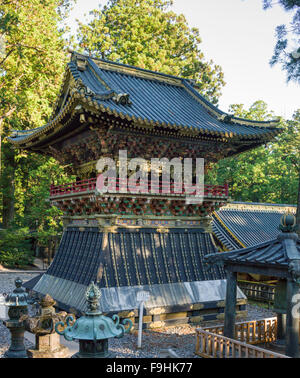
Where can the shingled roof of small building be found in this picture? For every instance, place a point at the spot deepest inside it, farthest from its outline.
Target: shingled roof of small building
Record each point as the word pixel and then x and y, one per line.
pixel 272 256
pixel 244 224
pixel 144 97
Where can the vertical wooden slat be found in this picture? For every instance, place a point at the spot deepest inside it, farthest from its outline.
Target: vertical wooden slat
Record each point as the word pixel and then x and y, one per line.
pixel 248 332
pixel 213 347
pixel 270 330
pixel 221 344
pixel 240 350
pixel 200 335
pixel 203 344
pixel 275 328
pixel 209 345
pixel 254 335
pixel 259 331
pixel 265 329
pixel 228 348
pixel 197 341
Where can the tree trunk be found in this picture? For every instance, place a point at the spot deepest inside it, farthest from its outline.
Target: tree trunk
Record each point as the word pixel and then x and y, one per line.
pixel 8 185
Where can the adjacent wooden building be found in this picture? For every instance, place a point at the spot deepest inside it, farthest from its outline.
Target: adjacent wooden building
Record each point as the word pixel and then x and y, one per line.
pixel 280 258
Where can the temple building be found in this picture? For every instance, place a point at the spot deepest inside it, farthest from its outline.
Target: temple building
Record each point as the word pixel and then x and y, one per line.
pixel 245 224
pixel 280 258
pixel 124 241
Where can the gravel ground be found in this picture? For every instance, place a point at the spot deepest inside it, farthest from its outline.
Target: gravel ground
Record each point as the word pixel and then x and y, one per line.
pixel 181 339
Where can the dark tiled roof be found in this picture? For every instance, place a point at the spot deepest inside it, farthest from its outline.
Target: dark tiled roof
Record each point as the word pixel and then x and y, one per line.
pixel 129 257
pixel 31 283
pixel 277 252
pixel 169 264
pixel 247 224
pixel 159 101
pixel 155 99
pixel 174 297
pixel 279 257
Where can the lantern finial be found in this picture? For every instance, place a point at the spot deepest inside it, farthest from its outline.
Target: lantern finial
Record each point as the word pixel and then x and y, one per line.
pixel 92 296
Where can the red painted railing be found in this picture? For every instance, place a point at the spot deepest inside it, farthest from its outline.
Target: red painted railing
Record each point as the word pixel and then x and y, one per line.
pixel 115 185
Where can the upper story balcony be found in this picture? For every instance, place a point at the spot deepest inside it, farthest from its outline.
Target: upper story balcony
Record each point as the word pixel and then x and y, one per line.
pixel 117 187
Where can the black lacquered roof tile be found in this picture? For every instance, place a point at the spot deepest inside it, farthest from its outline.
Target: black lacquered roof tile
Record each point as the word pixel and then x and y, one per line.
pixel 134 257
pixel 156 98
pixel 237 228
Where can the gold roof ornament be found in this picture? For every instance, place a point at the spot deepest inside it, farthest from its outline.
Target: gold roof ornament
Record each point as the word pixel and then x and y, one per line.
pixel 288 223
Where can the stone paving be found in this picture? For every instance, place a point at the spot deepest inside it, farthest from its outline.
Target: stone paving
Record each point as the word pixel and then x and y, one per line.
pixel 181 339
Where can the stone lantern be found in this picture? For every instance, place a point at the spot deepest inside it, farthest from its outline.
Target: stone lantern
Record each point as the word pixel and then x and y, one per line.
pixel 47 341
pixel 17 303
pixel 93 330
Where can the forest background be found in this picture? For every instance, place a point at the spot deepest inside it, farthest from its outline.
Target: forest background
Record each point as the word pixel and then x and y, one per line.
pixel 34 42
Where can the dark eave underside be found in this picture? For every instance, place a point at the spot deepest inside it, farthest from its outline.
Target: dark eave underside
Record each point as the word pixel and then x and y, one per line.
pixel 271 254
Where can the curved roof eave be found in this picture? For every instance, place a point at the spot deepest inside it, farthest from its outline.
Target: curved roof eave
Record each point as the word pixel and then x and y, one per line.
pixel 219 114
pixel 31 137
pixel 35 135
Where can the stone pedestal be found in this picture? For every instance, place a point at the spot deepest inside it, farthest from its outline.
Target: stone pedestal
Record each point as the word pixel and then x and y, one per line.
pixel 48 346
pixel 17 347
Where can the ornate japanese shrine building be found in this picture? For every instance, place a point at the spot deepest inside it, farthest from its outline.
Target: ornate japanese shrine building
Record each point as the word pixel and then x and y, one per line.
pixel 123 241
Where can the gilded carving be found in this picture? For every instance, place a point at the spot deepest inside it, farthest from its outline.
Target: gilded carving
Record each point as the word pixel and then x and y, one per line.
pixel 157 311
pixel 198 306
pixel 158 324
pixel 196 319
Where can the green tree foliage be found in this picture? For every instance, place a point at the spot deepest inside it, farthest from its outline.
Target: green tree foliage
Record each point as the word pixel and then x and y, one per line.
pixel 145 33
pixel 34 175
pixel 15 247
pixel 289 60
pixel 283 53
pixel 268 173
pixel 32 61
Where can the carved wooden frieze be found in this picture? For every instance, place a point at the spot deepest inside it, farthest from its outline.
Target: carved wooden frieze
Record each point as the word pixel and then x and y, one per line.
pixel 88 147
pixel 136 206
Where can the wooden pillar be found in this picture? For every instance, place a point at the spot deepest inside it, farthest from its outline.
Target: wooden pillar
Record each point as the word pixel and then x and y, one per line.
pixel 281 329
pixel 292 320
pixel 230 305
